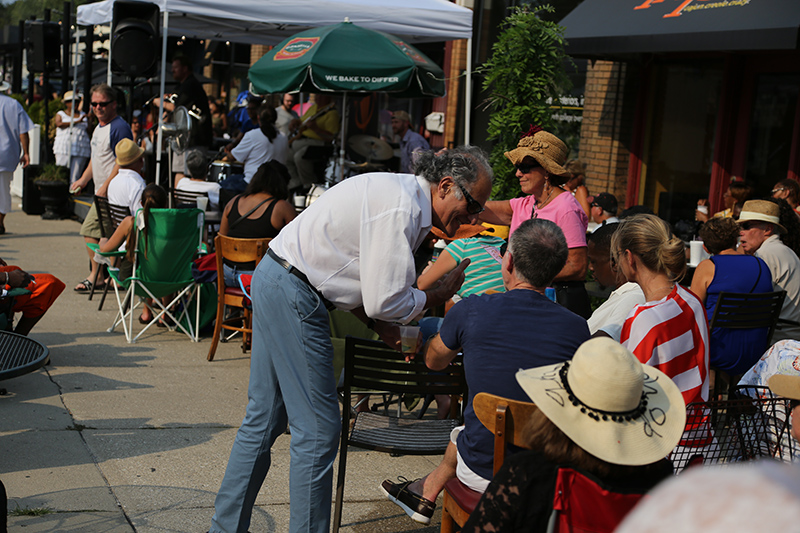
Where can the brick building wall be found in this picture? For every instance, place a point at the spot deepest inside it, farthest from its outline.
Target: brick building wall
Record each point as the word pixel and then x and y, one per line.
pixel 608 115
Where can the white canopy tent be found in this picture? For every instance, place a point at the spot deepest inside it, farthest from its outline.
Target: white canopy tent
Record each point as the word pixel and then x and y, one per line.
pixel 271 21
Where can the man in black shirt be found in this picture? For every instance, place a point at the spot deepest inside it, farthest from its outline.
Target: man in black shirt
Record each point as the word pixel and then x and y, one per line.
pixel 190 94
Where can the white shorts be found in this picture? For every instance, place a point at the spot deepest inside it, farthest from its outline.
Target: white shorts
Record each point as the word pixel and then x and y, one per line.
pixel 464 474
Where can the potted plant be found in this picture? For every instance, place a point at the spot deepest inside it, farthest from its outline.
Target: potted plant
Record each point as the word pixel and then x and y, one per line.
pixel 53 185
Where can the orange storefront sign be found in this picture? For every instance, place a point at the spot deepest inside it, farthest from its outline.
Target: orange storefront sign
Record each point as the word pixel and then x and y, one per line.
pixel 692 5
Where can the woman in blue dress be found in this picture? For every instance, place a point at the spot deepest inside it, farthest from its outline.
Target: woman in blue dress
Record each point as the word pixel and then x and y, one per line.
pixel 731 350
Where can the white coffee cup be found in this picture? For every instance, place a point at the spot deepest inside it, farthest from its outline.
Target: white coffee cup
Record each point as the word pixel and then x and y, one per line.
pixel 202 203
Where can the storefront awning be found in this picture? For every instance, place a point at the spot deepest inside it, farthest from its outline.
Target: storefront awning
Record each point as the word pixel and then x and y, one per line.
pixel 607 28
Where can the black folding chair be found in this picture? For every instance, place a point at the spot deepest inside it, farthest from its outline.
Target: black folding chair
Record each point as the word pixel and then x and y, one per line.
pixel 745 311
pixel 109 216
pixel 373 366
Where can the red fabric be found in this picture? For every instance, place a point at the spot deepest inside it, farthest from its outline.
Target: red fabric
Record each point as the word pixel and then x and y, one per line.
pixel 672 336
pixel 584 506
pixel 465 497
pixel 43 293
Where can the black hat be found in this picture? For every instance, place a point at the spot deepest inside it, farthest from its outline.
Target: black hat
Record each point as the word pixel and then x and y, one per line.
pixel 606 201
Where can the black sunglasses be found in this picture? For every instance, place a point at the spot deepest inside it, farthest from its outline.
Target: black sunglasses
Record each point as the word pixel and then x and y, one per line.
pixel 101 104
pixel 473 206
pixel 527 167
pixel 748 225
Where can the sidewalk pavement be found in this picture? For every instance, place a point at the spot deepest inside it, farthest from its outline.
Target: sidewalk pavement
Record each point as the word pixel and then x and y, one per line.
pixel 117 437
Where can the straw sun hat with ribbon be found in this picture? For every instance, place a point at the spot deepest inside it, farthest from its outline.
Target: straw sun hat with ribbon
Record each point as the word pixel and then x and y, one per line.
pixel 762 211
pixel 127 152
pixel 609 403
pixel 547 149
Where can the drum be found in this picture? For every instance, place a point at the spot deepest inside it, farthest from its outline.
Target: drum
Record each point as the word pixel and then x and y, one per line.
pixel 219 171
pixel 315 192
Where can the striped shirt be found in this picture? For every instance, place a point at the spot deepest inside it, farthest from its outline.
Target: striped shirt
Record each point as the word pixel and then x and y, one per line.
pixel 484 271
pixel 672 336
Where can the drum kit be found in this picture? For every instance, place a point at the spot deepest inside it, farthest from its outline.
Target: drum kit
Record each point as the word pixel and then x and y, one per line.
pixel 371 148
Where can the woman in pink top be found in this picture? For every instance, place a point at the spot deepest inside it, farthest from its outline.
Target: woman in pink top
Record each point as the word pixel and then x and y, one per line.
pixel 539 159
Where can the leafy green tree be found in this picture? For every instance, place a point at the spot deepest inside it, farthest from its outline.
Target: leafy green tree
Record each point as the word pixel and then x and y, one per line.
pixel 526 68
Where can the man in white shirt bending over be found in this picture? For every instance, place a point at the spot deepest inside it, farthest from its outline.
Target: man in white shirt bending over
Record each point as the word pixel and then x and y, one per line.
pixel 352 249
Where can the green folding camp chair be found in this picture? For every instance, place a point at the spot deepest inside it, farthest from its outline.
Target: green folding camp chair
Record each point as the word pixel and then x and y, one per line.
pixel 162 266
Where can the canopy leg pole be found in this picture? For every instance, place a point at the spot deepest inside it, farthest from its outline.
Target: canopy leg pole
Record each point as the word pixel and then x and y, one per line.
pixel 341 143
pixel 162 88
pixel 108 66
pixel 468 95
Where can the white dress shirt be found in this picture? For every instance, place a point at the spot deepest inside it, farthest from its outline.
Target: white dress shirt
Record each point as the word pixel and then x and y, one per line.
pixel 785 268
pixel 356 244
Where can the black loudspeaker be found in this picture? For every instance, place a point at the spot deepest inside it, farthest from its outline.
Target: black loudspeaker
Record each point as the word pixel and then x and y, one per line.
pixel 135 42
pixel 43 44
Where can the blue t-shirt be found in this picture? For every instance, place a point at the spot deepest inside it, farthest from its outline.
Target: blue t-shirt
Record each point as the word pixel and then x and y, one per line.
pixel 736 350
pixel 498 335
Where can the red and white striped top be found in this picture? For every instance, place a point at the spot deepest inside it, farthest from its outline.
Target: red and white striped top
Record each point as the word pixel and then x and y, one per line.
pixel 672 335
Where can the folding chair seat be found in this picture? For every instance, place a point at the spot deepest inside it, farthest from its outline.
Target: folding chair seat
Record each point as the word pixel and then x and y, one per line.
pixel 165 246
pixel 506 419
pixel 373 366
pixel 240 251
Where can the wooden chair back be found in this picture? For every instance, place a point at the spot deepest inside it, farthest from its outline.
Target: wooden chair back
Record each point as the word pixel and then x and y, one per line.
pixel 506 419
pixel 239 251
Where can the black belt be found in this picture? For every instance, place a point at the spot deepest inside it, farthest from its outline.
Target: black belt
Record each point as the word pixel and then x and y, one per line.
pixel 299 275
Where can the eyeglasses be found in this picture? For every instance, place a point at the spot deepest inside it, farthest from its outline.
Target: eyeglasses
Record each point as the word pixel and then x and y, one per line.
pixel 778 189
pixel 525 168
pixel 473 206
pixel 101 104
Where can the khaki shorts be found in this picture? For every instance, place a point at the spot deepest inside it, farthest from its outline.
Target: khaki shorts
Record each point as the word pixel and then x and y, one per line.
pixel 91 225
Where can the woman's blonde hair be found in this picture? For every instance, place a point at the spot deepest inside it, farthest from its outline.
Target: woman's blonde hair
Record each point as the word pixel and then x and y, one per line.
pixel 651 239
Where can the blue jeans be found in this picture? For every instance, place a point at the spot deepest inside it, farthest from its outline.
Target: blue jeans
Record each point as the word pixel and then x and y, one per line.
pixel 231 275
pixel 291 379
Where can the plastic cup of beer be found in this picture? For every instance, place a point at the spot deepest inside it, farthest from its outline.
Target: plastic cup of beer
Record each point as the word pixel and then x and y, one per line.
pixel 202 203
pixel 409 338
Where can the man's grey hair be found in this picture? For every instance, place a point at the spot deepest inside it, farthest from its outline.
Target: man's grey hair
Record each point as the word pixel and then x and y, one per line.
pixel 464 164
pixel 196 164
pixel 539 250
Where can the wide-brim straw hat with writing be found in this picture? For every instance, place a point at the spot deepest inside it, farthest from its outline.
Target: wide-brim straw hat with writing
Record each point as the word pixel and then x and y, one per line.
pixel 547 149
pixel 609 403
pixel 127 152
pixel 763 211
pixel 69 96
pixel 784 385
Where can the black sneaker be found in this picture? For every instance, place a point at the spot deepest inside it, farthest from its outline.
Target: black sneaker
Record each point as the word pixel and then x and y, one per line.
pixel 415 506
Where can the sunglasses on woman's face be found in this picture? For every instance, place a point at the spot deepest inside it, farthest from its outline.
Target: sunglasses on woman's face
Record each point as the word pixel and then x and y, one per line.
pixel 526 168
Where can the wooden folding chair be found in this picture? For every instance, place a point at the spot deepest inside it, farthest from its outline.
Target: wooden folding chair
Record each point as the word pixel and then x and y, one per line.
pixel 506 419
pixel 239 251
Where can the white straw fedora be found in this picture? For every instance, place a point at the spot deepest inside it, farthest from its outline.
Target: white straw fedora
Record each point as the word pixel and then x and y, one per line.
pixel 609 403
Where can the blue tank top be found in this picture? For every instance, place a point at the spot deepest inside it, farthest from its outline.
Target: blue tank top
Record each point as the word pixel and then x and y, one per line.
pixel 736 350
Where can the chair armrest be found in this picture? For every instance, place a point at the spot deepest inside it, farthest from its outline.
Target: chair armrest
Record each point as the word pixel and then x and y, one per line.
pixel 96 249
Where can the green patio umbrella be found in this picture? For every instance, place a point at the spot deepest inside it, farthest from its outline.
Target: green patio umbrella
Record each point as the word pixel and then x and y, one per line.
pixel 347 58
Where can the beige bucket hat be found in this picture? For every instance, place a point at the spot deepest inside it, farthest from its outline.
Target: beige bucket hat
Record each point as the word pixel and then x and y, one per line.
pixel 610 404
pixel 547 149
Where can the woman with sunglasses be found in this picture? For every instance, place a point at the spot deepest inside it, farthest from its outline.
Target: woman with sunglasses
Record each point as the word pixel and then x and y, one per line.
pixel 539 159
